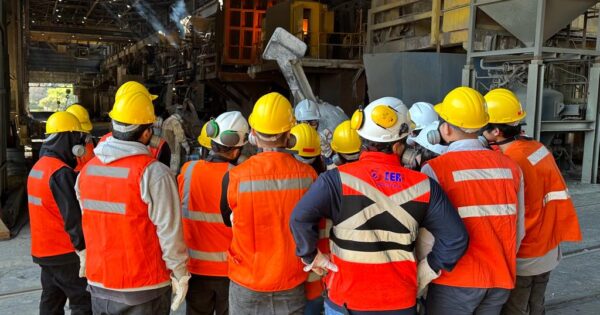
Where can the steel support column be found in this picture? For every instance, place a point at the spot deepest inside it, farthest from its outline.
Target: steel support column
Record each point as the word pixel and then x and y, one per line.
pixel 467 73
pixel 589 167
pixel 533 106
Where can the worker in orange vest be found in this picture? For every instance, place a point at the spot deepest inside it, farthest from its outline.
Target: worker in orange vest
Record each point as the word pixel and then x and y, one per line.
pixel 206 236
pixel 257 200
pixel 487 189
pixel 55 216
pixel 83 156
pixel 550 216
pixel 136 254
pixel 158 147
pixel 305 143
pixel 377 207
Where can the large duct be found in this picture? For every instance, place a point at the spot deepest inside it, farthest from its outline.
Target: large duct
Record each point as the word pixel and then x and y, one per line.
pixel 519 16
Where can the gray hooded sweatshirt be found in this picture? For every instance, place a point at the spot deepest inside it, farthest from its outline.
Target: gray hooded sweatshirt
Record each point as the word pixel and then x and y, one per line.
pixel 159 191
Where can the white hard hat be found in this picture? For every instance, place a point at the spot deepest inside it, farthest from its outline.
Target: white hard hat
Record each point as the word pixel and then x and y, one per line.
pixel 383 120
pixel 422 140
pixel 229 129
pixel 422 114
pixel 307 110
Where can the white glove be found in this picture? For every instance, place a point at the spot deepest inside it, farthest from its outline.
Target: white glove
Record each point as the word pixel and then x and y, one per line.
pixel 321 264
pixel 424 243
pixel 424 276
pixel 81 255
pixel 180 288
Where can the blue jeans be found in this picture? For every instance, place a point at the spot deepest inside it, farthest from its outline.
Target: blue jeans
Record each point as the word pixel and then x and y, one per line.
pixel 314 307
pixel 331 311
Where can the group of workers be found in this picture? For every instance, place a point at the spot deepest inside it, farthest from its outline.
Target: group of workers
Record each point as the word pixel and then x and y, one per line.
pixel 446 209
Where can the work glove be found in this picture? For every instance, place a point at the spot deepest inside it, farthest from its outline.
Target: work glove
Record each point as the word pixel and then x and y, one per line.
pixel 81 254
pixel 424 276
pixel 180 287
pixel 320 264
pixel 424 243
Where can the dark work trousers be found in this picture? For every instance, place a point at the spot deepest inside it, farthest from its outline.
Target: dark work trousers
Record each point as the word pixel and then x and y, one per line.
pixel 207 295
pixel 60 282
pixel 159 306
pixel 528 296
pixel 444 300
pixel 243 301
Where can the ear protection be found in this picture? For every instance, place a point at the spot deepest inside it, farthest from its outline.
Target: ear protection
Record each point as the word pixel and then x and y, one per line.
pixel 291 142
pixel 384 116
pixel 228 138
pixel 358 119
pixel 434 137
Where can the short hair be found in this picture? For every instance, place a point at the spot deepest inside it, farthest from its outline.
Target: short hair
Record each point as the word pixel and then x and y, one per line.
pixel 133 135
pixel 507 131
pixel 383 147
pixel 219 148
pixel 276 140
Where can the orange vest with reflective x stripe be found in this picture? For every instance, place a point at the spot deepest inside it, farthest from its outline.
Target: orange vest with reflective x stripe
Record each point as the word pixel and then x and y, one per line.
pixel 205 234
pixel 382 207
pixel 262 193
pixel 48 235
pixel 483 185
pixel 550 216
pixel 123 250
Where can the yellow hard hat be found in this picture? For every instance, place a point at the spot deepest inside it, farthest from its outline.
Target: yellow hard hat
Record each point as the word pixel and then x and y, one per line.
pixel 504 107
pixel 132 87
pixel 203 138
pixel 305 140
pixel 82 115
pixel 272 114
pixel 62 122
pixel 345 139
pixel 463 107
pixel 134 109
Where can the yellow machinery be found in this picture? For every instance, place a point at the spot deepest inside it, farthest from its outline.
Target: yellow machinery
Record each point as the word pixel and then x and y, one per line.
pixel 310 21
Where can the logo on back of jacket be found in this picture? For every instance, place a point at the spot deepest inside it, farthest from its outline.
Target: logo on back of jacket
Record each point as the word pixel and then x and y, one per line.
pixel 387 178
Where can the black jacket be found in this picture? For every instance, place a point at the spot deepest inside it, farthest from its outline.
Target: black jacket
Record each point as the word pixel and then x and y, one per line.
pixel 62 185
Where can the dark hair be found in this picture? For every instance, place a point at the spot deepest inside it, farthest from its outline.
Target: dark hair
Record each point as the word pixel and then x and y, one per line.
pixel 219 148
pixel 133 135
pixel 507 131
pixel 383 147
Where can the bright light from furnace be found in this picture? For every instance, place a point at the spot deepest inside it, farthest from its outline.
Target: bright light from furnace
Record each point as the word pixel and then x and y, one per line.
pixel 305 26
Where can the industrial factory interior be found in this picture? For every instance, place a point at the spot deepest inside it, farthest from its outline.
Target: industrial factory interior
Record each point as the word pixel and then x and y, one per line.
pixel 369 66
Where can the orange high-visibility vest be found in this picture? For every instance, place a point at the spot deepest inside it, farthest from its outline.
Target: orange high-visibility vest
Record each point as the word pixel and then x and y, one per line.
pixel 483 185
pixel 205 234
pixel 123 250
pixel 48 235
pixel 550 216
pixel 89 154
pixel 314 283
pixel 155 152
pixel 373 246
pixel 262 194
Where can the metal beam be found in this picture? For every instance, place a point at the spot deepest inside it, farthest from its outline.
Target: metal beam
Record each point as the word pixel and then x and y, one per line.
pixel 91 9
pixel 567 125
pixel 583 52
pixel 83 30
pixel 503 52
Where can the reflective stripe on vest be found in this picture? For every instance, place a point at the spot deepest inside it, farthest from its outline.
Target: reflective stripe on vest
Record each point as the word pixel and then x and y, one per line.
pixel 34 200
pixel 538 155
pixel 383 203
pixel 556 195
pixel 482 174
pixel 380 257
pixel 274 184
pixel 48 235
pixel 104 206
pixel 324 232
pixel 36 174
pixel 107 171
pixel 487 210
pixel 208 256
pixel 372 236
pixel 187 183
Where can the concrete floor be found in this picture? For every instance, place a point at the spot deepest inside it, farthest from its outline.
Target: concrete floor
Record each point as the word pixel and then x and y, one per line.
pixel 574 286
